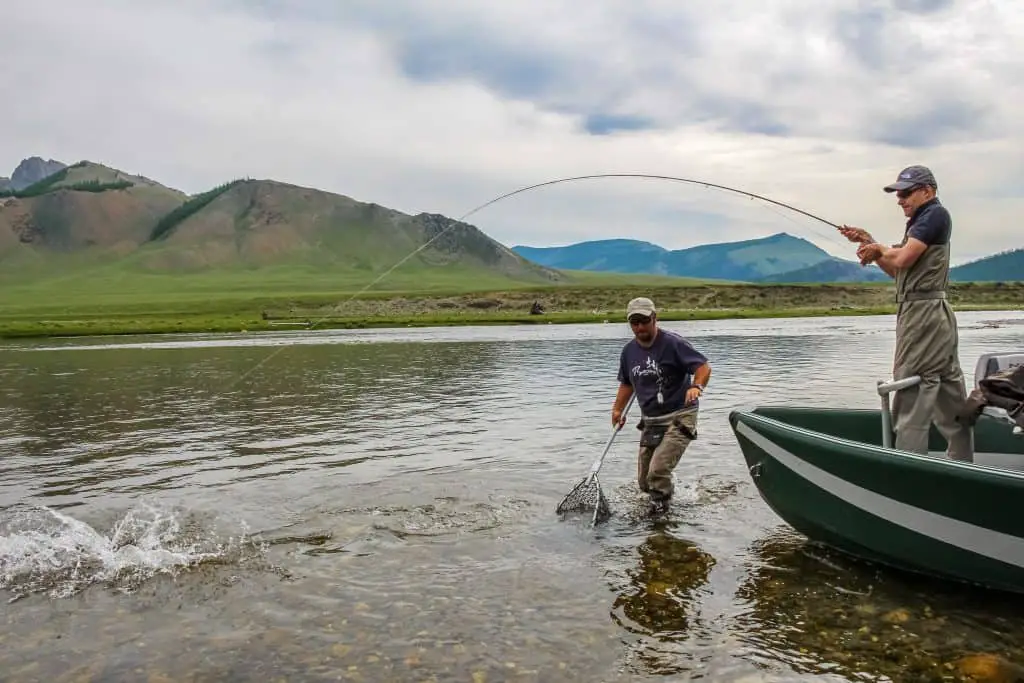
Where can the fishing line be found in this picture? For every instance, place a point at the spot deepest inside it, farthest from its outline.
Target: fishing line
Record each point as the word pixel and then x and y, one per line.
pixel 785 216
pixel 535 186
pixel 650 176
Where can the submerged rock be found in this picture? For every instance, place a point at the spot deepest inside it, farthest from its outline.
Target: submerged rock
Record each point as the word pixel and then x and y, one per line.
pixel 989 668
pixel 897 616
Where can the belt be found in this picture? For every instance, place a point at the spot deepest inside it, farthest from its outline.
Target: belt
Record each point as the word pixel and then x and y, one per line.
pixel 921 295
pixel 667 418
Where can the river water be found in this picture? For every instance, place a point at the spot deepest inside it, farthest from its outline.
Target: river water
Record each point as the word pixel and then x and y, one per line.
pixel 379 505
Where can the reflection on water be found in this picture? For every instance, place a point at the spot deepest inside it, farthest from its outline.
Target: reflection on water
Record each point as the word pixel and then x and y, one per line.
pixel 660 599
pixel 820 612
pixel 378 505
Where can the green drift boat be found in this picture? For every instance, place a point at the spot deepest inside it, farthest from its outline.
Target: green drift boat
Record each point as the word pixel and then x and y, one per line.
pixel 833 475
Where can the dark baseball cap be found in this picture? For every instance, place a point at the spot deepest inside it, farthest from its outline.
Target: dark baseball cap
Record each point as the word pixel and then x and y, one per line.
pixel 912 176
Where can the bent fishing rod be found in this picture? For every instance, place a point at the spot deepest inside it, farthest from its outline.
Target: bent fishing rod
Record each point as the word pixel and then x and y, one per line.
pixel 648 176
pixel 556 181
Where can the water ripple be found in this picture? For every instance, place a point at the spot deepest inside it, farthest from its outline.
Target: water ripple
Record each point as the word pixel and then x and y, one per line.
pixel 404 482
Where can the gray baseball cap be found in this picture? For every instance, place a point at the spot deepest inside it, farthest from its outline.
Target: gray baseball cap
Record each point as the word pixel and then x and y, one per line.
pixel 912 176
pixel 640 306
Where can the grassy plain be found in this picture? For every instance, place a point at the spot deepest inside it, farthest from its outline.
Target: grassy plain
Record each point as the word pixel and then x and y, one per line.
pixel 117 300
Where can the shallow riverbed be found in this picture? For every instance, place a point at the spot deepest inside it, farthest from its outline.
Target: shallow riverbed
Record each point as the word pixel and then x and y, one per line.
pixel 378 505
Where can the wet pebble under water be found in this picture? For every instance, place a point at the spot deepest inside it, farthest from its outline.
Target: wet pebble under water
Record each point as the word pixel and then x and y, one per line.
pixel 374 506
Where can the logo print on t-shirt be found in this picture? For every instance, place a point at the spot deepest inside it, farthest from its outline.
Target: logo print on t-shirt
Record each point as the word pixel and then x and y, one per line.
pixel 651 369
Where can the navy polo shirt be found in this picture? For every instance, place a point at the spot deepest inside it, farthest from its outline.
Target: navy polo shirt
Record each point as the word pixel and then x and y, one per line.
pixel 931 223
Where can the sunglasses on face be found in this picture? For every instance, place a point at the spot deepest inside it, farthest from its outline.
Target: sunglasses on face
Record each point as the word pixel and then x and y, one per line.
pixel 639 320
pixel 903 194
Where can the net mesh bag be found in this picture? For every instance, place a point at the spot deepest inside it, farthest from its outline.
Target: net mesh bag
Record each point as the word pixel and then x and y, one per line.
pixel 586 496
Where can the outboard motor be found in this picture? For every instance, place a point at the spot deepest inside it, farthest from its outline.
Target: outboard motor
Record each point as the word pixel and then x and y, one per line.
pixel 991 363
pixel 998 389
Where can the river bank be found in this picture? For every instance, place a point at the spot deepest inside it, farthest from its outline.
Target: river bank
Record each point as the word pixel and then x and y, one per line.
pixel 552 305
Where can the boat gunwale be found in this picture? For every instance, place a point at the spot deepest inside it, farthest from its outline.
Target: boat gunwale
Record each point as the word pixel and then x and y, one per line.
pixel 863 447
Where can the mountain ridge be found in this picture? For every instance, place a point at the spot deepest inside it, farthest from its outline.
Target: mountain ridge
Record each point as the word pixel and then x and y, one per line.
pixel 105 214
pixel 764 259
pixel 635 256
pixel 31 170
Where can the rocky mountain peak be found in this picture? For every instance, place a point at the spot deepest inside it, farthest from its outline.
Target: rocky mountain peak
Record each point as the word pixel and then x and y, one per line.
pixel 30 171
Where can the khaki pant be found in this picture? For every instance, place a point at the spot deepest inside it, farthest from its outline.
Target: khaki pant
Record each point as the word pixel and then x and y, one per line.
pixel 655 463
pixel 927 344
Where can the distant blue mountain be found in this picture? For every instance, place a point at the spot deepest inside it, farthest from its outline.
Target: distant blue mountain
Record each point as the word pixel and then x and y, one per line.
pixel 1007 266
pixel 618 256
pixel 777 258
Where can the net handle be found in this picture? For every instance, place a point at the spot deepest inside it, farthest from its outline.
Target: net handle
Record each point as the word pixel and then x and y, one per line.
pixel 618 428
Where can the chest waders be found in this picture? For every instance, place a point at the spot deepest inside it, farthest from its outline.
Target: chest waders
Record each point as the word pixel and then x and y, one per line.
pixel 927 344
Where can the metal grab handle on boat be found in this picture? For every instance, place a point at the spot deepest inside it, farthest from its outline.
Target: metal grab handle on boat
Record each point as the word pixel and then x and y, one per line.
pixel 884 389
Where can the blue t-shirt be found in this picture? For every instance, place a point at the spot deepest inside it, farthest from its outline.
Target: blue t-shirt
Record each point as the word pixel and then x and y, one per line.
pixel 931 223
pixel 666 367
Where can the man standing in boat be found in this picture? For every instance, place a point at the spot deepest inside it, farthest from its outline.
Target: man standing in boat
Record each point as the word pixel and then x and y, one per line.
pixel 927 341
pixel 669 376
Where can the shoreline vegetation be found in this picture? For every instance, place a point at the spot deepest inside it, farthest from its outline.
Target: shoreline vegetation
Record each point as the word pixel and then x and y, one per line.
pixel 137 313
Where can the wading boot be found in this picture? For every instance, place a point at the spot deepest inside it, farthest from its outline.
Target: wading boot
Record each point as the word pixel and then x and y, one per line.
pixel 657 506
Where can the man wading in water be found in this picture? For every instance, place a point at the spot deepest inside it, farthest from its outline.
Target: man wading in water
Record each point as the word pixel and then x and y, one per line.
pixel 669 376
pixel 927 341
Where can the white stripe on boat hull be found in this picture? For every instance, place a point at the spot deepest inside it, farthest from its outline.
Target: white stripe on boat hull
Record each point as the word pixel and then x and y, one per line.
pixel 993 544
pixel 1003 461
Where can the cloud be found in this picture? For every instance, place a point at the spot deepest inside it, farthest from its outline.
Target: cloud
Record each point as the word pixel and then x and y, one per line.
pixel 604 124
pixel 442 106
pixel 924 6
pixel 505 70
pixel 941 118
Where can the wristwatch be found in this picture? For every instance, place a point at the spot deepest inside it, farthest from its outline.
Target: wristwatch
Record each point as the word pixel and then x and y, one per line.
pixel 699 386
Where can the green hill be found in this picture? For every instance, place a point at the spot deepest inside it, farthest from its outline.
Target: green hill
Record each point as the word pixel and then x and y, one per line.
pixel 257 223
pixel 831 270
pixel 1007 266
pixel 83 207
pixel 91 231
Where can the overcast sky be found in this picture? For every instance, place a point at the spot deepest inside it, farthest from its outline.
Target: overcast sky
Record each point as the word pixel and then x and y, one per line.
pixel 441 106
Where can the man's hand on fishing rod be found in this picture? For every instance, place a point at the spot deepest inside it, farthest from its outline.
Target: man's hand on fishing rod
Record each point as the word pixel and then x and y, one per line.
pixel 869 253
pixel 856 234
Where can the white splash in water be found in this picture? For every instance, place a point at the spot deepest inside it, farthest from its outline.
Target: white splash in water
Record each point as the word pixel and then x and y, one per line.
pixel 46 551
